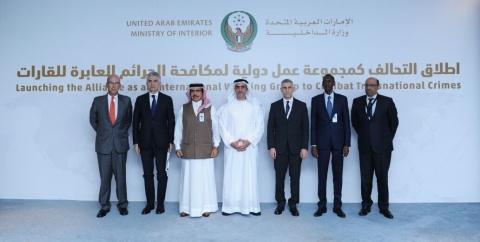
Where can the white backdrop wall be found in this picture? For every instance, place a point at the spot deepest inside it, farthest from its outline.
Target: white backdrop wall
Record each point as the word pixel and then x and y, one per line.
pixel 47 143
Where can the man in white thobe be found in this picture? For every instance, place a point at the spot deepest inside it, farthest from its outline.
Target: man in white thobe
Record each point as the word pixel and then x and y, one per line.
pixel 241 124
pixel 196 142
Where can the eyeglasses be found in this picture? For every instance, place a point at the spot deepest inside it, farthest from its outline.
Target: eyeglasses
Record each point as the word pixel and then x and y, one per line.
pixel 113 83
pixel 371 85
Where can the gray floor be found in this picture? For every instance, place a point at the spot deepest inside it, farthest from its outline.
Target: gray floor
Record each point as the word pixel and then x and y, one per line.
pixel 49 220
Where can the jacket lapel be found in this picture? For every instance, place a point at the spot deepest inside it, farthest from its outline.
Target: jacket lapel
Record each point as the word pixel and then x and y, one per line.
pixel 120 108
pixel 105 104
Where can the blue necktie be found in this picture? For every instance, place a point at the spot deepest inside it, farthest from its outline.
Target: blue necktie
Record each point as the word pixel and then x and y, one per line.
pixel 154 105
pixel 287 109
pixel 369 107
pixel 329 107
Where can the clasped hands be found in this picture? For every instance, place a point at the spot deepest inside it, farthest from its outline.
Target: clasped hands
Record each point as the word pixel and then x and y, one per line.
pixel 240 144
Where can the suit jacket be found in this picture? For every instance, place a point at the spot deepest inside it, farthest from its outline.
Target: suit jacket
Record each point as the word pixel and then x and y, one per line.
pixel 292 131
pixel 325 133
pixel 111 136
pixel 378 132
pixel 161 126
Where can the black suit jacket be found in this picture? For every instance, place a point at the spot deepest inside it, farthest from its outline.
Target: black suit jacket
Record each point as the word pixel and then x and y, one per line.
pixel 379 131
pixel 292 131
pixel 111 136
pixel 161 126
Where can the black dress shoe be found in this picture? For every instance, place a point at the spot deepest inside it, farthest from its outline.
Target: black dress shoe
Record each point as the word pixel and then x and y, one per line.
pixel 226 214
pixel 160 210
pixel 102 213
pixel 256 214
pixel 279 210
pixel 294 211
pixel 147 209
pixel 320 211
pixel 123 211
pixel 386 213
pixel 364 211
pixel 339 212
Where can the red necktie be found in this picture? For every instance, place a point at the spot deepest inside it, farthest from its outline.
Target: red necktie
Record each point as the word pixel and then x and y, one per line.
pixel 112 110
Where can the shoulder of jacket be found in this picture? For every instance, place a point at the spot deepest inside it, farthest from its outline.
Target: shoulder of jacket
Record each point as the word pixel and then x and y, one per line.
pixel 340 95
pixel 318 96
pixel 383 97
pixel 124 96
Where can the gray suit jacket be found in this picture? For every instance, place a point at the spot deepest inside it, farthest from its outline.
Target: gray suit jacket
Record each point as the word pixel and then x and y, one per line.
pixel 111 136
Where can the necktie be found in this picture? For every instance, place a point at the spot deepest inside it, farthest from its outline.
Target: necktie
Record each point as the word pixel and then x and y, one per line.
pixel 112 110
pixel 329 107
pixel 369 107
pixel 154 105
pixel 287 109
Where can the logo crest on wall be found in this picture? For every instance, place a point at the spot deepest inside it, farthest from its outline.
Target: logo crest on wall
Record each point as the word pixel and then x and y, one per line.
pixel 238 29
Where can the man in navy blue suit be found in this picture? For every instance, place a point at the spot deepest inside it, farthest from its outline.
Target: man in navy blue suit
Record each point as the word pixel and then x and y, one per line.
pixel 375 119
pixel 330 134
pixel 153 130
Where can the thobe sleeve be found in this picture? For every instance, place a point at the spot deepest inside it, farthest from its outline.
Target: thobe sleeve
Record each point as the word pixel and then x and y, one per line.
pixel 227 137
pixel 215 131
pixel 258 127
pixel 179 130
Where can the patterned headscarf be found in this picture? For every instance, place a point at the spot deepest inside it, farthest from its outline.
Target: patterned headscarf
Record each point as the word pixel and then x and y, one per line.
pixel 205 101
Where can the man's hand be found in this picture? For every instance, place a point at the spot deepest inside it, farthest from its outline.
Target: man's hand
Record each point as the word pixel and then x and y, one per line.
pixel 242 144
pixel 214 152
pixel 179 153
pixel 273 153
pixel 303 153
pixel 345 151
pixel 314 151
pixel 136 148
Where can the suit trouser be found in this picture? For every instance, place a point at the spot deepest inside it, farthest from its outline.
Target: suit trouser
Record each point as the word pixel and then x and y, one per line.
pixel 160 156
pixel 337 173
pixel 112 164
pixel 293 163
pixel 380 164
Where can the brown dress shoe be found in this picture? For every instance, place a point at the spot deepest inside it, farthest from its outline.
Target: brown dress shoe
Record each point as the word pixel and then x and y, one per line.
pixel 206 214
pixel 183 214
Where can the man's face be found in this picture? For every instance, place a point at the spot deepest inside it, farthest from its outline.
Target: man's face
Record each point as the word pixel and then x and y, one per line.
pixel 153 84
pixel 287 90
pixel 371 87
pixel 241 91
pixel 328 83
pixel 113 85
pixel 196 93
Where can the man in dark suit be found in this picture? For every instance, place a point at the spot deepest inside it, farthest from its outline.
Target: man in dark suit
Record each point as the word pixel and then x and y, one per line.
pixel 153 128
pixel 287 138
pixel 330 135
pixel 111 117
pixel 375 119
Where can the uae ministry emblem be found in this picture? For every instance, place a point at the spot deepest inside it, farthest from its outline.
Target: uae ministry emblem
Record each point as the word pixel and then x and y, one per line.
pixel 239 29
